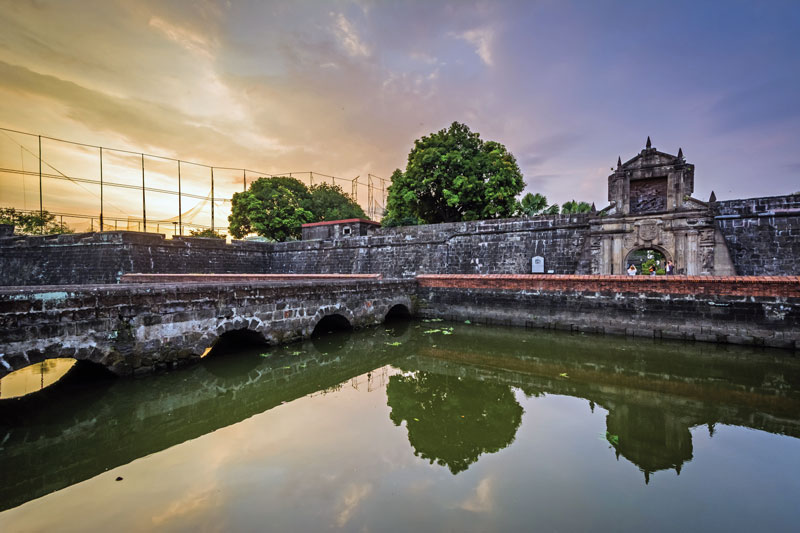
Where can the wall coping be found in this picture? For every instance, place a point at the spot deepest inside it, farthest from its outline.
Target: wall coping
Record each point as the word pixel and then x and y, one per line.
pixel 226 278
pixel 768 286
pixel 345 221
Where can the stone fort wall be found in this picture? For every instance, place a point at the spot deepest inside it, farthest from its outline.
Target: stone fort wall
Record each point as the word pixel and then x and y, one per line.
pixel 762 236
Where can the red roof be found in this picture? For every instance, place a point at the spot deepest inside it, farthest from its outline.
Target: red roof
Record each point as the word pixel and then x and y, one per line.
pixel 349 220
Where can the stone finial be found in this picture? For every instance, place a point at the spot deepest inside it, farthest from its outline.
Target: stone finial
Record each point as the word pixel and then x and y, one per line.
pixel 619 162
pixel 680 153
pixel 594 209
pixel 712 198
pixel 649 144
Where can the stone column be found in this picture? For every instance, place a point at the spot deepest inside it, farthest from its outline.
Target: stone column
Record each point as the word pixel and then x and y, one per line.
pixel 616 255
pixel 691 254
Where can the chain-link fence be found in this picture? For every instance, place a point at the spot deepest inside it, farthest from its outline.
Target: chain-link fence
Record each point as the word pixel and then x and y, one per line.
pixel 95 188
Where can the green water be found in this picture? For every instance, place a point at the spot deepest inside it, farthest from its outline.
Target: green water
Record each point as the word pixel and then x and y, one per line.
pixel 427 426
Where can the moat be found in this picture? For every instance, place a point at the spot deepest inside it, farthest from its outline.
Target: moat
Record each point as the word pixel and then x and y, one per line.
pixel 425 425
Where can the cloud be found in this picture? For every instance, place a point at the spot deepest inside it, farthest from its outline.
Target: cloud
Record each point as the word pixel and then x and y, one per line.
pixel 193 42
pixel 348 38
pixel 481 39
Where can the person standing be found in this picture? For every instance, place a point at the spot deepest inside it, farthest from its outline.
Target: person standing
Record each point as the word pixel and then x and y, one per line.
pixel 670 268
pixel 632 270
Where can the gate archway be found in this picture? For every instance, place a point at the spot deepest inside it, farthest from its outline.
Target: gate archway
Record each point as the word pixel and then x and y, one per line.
pixel 643 257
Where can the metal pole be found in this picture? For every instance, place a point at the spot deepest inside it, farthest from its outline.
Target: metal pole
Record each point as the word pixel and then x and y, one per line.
pixel 144 210
pixel 180 222
pixel 244 180
pixel 41 204
pixel 101 188
pixel 212 199
pixel 312 178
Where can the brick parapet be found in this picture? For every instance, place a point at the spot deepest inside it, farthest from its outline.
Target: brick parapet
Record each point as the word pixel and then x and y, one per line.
pixel 761 286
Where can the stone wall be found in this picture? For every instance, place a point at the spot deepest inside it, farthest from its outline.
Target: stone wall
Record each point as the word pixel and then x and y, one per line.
pixel 762 234
pixel 104 257
pixel 480 247
pixel 736 310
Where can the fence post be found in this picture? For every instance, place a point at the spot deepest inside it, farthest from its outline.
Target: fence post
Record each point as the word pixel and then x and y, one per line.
pixel 41 204
pixel 212 199
pixel 180 221
pixel 144 210
pixel 101 188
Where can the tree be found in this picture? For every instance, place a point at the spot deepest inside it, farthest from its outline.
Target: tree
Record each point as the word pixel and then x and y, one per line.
pixel 532 204
pixel 573 207
pixel 32 223
pixel 272 207
pixel 207 233
pixel 453 175
pixel 276 208
pixel 552 210
pixel 329 202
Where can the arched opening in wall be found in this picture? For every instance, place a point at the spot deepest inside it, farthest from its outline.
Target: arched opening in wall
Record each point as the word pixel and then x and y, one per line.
pixel 234 353
pixel 645 258
pixel 331 334
pixel 331 324
pixel 51 374
pixel 397 320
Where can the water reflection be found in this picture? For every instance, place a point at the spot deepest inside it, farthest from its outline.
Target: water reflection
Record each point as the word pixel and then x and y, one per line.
pixel 452 400
pixel 34 378
pixel 453 420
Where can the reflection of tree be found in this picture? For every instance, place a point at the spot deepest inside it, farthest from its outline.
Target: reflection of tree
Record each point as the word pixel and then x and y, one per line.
pixel 453 420
pixel 650 437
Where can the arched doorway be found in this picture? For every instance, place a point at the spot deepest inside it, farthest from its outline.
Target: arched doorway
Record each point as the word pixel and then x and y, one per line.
pixel 643 258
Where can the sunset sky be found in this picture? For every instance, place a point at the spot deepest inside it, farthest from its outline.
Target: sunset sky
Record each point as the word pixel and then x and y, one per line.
pixel 345 87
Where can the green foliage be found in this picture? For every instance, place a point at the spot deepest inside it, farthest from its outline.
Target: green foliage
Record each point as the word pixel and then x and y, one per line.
pixel 572 207
pixel 552 210
pixel 532 204
pixel 272 208
pixel 453 175
pixel 32 223
pixel 207 233
pixel 276 208
pixel 329 202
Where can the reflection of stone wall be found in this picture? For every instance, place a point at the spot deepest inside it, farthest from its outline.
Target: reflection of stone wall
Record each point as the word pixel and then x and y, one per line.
pixel 648 195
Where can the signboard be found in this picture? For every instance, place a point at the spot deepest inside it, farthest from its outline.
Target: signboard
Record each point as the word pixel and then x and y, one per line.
pixel 537 265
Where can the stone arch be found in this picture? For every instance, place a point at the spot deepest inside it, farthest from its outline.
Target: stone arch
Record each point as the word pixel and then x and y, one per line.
pixel 397 311
pixel 331 322
pixel 663 251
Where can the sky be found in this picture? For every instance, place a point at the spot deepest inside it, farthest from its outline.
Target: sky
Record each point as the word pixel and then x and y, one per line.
pixel 345 87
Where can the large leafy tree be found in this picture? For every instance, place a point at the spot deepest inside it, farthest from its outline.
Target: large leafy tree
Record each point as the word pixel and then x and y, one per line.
pixel 329 202
pixel 272 207
pixel 453 175
pixel 277 207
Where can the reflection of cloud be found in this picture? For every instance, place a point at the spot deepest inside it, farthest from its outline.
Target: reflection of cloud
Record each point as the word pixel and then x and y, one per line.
pixel 189 504
pixel 352 497
pixel 482 500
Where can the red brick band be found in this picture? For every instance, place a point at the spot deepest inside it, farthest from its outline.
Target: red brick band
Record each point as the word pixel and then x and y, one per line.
pixel 770 286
